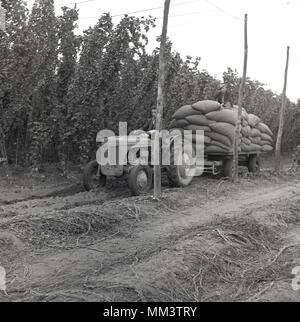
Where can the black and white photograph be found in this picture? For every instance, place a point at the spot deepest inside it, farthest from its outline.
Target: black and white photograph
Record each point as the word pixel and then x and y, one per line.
pixel 149 154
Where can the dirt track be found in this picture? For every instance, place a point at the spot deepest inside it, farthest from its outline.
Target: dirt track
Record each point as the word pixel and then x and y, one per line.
pixel 210 241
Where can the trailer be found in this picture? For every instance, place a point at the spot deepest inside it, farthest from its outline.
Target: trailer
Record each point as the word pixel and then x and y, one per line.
pixel 223 163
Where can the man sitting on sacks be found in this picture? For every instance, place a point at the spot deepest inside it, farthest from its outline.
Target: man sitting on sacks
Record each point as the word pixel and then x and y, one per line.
pixel 223 97
pixel 150 124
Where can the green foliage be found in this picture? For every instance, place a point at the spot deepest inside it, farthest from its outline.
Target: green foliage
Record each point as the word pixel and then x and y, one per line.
pixel 58 89
pixel 69 45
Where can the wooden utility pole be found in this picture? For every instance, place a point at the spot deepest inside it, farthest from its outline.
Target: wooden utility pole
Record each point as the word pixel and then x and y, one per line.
pixel 281 118
pixel 160 101
pixel 240 103
pixel 3 154
pixel 2 18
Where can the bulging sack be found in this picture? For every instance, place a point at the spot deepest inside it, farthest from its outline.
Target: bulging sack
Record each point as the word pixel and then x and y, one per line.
pixel 224 129
pixel 267 148
pixel 226 116
pixel 201 120
pixel 220 138
pixel 207 106
pixel 246 131
pixel 254 147
pixel 255 132
pixel 193 127
pixel 181 123
pixel 215 149
pixel 223 146
pixel 263 142
pixel 266 137
pixel 198 138
pixel 250 148
pixel 264 128
pixel 245 147
pixel 256 140
pixel 185 111
pixel 246 141
pixel 253 120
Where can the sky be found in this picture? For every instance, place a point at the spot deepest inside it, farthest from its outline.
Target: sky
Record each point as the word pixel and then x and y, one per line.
pixel 214 31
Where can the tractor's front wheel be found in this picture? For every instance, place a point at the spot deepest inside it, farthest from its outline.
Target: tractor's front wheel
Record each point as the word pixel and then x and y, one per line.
pixel 92 178
pixel 140 180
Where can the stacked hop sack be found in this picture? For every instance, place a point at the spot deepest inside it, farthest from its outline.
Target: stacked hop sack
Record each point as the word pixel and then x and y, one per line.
pixel 256 136
pixel 219 124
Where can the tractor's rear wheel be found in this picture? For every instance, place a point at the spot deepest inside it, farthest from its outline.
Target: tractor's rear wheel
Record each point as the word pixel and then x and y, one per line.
pixel 181 174
pixel 92 178
pixel 254 164
pixel 140 180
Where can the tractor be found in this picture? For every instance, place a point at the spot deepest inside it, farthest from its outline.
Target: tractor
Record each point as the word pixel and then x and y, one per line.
pixel 139 176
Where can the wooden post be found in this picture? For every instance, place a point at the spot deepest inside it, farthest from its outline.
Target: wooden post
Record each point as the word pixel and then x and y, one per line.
pixel 160 98
pixel 3 154
pixel 281 118
pixel 2 18
pixel 240 103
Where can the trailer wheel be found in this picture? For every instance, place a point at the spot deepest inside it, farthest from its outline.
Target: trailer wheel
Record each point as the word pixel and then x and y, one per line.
pixel 254 164
pixel 90 179
pixel 181 175
pixel 228 167
pixel 140 180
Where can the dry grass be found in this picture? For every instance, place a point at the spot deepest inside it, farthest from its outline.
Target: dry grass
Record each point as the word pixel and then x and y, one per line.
pixel 71 226
pixel 68 227
pixel 248 260
pixel 287 214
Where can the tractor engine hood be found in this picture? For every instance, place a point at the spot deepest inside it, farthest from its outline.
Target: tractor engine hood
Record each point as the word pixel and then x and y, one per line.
pixel 131 140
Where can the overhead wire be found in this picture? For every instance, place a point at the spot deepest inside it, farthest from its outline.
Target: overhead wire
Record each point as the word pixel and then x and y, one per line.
pixel 222 10
pixel 172 5
pixel 144 10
